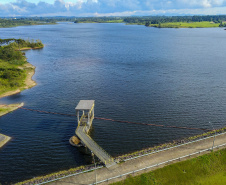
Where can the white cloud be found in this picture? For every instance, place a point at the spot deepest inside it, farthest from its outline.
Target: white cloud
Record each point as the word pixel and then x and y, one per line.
pixel 202 3
pixel 106 7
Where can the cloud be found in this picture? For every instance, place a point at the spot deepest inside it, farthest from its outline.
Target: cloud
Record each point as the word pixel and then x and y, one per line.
pixel 105 7
pixel 202 3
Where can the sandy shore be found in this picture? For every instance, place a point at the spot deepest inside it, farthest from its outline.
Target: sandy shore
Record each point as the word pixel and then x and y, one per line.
pixel 24 49
pixel 3 140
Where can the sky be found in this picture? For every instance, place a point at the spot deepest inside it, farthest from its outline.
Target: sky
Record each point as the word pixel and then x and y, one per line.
pixel 85 8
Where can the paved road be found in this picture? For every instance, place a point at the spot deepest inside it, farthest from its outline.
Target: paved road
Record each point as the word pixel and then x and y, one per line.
pixel 142 162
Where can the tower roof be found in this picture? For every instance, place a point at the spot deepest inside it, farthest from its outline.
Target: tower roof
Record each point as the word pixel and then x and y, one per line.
pixel 85 105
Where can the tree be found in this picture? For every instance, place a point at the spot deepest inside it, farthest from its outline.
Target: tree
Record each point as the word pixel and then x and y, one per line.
pixel 159 26
pixel 147 23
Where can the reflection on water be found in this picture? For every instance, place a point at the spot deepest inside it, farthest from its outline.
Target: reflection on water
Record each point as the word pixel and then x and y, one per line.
pixel 160 76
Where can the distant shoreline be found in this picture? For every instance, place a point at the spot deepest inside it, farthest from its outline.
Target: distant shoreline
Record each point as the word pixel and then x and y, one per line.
pixel 203 24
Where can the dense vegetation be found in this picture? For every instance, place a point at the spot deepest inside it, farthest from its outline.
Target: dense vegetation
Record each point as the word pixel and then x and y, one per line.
pixel 163 21
pixel 203 170
pixel 171 19
pixel 12 73
pixel 99 20
pixel 12 22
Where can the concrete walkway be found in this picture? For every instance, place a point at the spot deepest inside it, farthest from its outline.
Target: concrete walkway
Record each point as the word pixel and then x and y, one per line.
pixel 94 147
pixel 142 162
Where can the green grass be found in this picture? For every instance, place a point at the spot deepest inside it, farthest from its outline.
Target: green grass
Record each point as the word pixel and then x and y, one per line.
pixel 9 108
pixel 115 21
pixel 11 77
pixel 203 24
pixel 206 169
pixel 13 70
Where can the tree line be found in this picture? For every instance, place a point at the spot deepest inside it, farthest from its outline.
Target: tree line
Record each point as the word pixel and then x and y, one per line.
pixel 12 22
pixel 147 20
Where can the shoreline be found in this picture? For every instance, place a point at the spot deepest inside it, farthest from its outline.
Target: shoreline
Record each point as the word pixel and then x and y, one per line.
pixel 29 48
pixel 5 109
pixel 4 139
pixel 122 158
pixel 203 24
pixel 28 82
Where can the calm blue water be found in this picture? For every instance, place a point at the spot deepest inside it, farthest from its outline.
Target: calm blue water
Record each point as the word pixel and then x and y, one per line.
pixel 160 76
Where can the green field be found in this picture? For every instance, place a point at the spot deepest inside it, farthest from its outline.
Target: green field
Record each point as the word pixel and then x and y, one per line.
pixel 203 24
pixel 207 169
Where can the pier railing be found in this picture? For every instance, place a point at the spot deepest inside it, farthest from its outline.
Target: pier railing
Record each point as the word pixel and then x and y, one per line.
pixel 82 131
pixel 94 147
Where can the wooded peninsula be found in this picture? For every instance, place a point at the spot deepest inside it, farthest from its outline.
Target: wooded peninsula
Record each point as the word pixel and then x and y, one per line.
pixel 15 71
pixel 14 68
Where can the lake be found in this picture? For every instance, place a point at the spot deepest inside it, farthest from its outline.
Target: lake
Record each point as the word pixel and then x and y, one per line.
pixel 134 73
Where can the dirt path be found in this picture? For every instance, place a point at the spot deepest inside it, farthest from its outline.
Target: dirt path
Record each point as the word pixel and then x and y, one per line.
pixel 142 162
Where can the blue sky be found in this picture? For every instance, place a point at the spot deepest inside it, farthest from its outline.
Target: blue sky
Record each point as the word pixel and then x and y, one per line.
pixel 110 7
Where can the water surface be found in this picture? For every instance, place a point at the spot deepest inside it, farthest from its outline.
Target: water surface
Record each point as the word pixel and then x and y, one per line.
pixel 159 76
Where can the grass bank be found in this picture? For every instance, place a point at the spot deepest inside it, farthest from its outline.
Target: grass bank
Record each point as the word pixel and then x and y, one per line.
pixel 60 174
pixel 203 170
pixel 203 24
pixel 4 109
pixel 168 145
pixel 19 81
